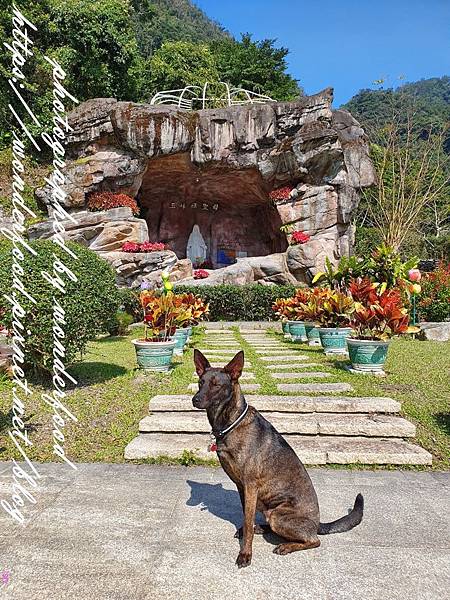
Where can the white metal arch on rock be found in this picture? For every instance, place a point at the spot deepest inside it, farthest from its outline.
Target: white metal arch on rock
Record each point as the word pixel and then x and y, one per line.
pixel 194 94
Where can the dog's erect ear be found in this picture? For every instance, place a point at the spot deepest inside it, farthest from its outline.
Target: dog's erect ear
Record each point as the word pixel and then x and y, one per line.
pixel 201 362
pixel 235 366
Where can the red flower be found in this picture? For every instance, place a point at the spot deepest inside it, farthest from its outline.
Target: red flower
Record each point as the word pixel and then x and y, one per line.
pixel 106 200
pixel 298 237
pixel 201 274
pixel 152 247
pixel 130 247
pixel 280 193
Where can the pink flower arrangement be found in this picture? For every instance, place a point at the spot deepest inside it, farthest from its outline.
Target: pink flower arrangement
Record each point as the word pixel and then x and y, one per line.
pixel 298 237
pixel 201 274
pixel 280 193
pixel 144 247
pixel 152 247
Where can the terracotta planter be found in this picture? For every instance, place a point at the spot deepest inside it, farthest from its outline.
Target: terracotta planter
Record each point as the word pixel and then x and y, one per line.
pixel 154 356
pixel 334 339
pixel 297 331
pixel 368 356
pixel 312 333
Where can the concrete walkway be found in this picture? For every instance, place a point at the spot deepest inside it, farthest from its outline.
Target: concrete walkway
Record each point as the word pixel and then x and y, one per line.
pixel 126 532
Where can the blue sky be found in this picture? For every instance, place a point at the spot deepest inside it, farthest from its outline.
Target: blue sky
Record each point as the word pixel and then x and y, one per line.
pixel 347 44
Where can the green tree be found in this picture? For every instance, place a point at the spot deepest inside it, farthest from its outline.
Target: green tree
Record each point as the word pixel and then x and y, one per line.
pixel 256 66
pixel 178 64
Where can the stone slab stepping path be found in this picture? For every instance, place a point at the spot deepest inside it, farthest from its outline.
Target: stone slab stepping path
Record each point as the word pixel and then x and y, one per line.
pixel 245 375
pixel 304 375
pixel 312 450
pixel 245 387
pixel 323 425
pixel 294 404
pixel 284 358
pixel 288 365
pixel 312 388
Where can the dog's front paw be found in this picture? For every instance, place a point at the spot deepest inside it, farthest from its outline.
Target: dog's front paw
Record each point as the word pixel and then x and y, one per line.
pixel 243 559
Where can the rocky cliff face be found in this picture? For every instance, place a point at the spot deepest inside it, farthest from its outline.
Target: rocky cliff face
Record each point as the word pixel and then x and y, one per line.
pixel 217 167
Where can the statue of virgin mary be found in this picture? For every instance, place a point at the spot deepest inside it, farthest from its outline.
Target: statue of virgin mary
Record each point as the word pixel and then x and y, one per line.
pixel 196 247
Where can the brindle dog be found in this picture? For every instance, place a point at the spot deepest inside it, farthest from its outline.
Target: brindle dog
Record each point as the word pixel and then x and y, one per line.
pixel 269 476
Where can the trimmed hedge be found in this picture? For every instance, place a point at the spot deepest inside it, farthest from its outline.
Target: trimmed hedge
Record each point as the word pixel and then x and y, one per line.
pixel 90 304
pixel 239 303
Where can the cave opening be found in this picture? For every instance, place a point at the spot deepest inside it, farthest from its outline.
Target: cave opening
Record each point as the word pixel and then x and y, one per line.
pixel 230 206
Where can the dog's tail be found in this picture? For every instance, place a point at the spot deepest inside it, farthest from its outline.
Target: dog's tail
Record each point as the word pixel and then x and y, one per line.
pixel 346 523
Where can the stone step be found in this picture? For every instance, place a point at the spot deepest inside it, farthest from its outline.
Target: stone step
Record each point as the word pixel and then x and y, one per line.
pixel 245 387
pixel 219 365
pixel 245 375
pixel 288 365
pixel 305 375
pixel 220 351
pixel 314 388
pixel 289 423
pixel 294 404
pixel 284 358
pixel 223 344
pixel 312 450
pixel 277 351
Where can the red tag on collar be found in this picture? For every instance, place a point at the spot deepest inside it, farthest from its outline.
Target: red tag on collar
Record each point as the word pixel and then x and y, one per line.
pixel 213 447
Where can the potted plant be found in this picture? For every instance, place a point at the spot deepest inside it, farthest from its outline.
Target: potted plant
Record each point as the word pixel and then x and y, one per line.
pixel 191 310
pixel 279 307
pixel 296 315
pixel 331 310
pixel 379 315
pixel 154 352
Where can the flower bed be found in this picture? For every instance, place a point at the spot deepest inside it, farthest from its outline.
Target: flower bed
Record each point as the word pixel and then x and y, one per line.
pixel 134 247
pixel 106 200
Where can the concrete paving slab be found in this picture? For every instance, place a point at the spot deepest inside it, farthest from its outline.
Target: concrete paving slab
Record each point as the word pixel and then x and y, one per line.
pixel 312 388
pixel 189 551
pixel 295 404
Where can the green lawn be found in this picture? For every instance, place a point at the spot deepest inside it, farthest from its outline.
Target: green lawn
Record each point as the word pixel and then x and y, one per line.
pixel 112 397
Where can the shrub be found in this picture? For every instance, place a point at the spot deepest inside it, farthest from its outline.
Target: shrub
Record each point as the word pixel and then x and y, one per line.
pixel 122 321
pixel 129 303
pixel 434 299
pixel 240 303
pixel 90 303
pixel 106 200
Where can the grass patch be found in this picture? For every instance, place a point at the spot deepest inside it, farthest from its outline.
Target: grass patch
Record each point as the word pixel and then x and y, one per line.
pixel 112 397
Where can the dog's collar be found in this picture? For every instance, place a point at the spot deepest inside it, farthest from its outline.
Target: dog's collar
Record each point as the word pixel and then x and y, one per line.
pixel 219 435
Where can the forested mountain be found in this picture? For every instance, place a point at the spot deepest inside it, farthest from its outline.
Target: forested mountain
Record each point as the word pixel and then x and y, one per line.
pixel 158 21
pixel 430 99
pixel 415 113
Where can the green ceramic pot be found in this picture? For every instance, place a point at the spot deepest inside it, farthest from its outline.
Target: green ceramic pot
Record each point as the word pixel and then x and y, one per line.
pixel 312 333
pixel 334 339
pixel 368 356
pixel 285 328
pixel 180 338
pixel 154 356
pixel 297 331
pixel 189 334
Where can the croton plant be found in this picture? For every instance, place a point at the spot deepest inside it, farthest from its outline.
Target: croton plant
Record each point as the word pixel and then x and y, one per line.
pixel 379 312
